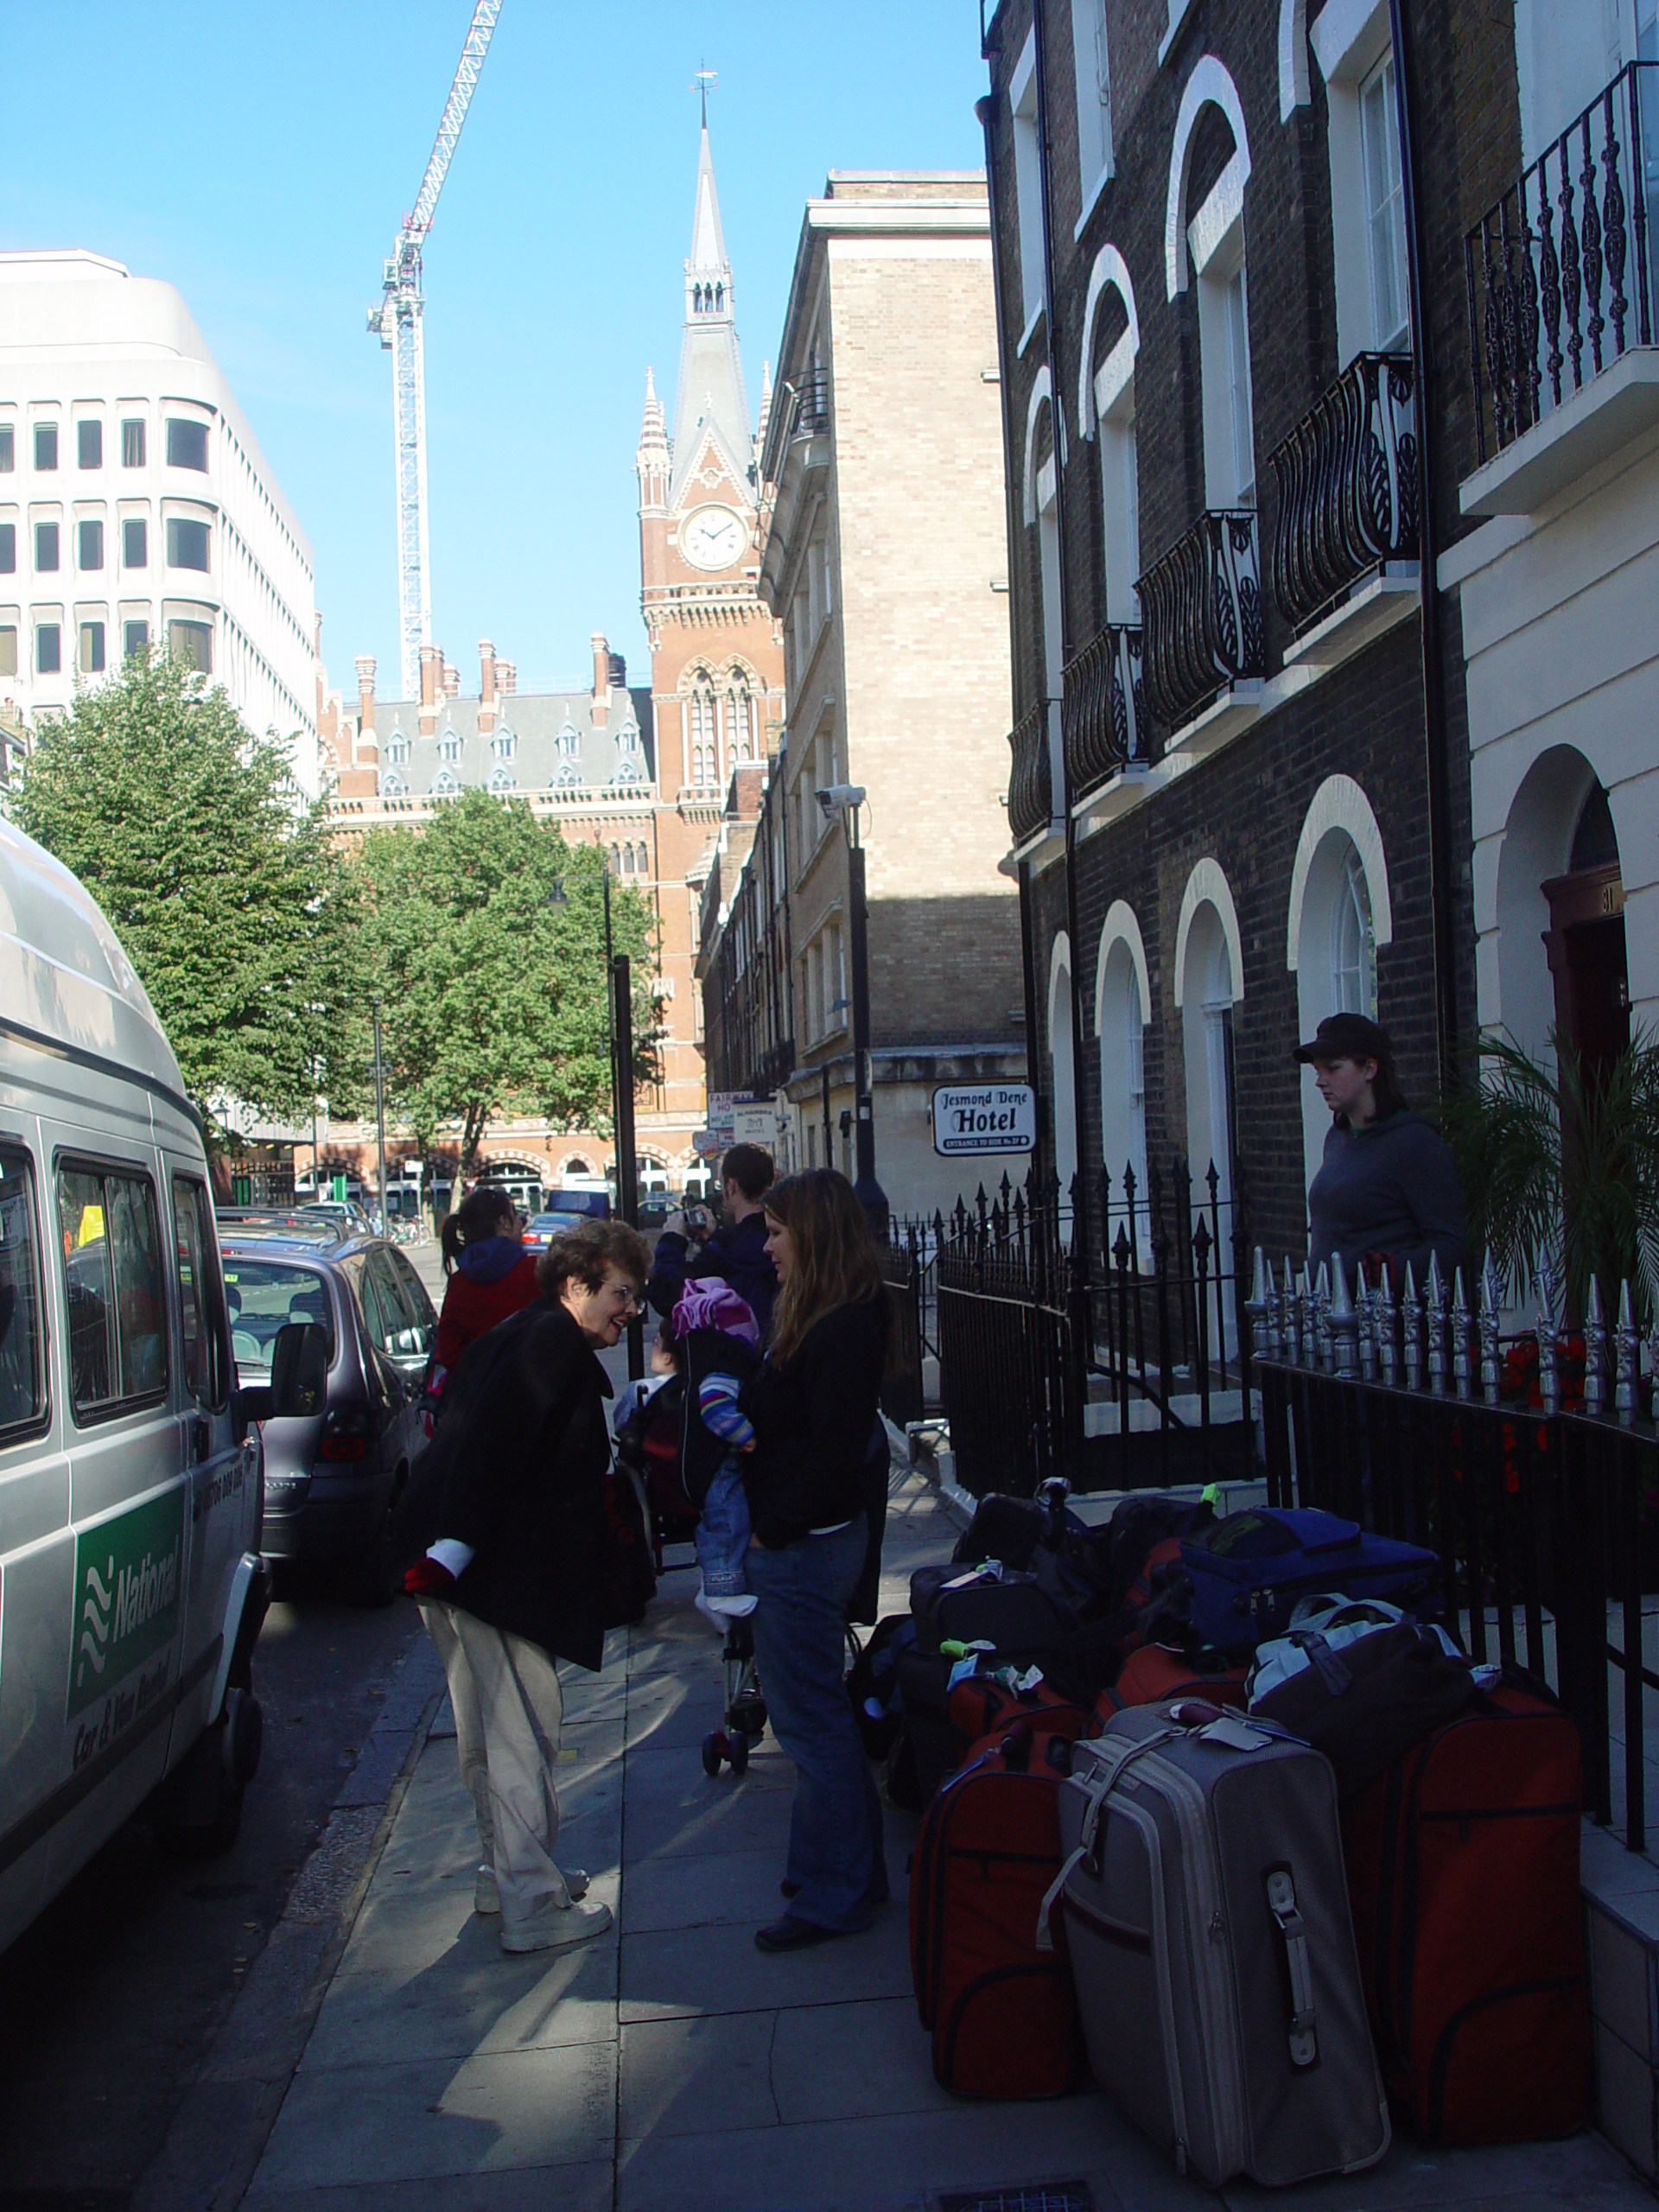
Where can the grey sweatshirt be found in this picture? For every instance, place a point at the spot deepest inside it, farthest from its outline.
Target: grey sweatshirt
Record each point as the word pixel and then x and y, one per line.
pixel 1388 1187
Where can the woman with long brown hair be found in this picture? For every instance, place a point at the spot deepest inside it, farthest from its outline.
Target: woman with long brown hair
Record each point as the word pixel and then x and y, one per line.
pixel 818 1459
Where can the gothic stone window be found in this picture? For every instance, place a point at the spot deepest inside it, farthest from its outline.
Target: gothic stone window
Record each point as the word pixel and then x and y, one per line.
pixel 398 747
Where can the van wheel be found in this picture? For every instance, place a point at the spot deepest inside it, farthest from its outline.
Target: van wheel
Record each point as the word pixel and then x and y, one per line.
pixel 374 1581
pixel 216 1837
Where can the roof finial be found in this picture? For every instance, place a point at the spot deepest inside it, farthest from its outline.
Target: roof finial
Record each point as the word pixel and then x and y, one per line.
pixel 703 83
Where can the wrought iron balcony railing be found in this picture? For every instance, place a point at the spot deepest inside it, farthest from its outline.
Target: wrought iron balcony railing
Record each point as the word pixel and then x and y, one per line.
pixel 1557 272
pixel 1201 614
pixel 1347 478
pixel 812 406
pixel 1030 799
pixel 1101 708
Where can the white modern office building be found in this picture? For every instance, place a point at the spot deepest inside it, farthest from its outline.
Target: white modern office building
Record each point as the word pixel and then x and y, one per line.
pixel 136 507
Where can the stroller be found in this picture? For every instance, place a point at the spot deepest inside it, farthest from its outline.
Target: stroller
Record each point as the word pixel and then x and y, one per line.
pixel 746 1709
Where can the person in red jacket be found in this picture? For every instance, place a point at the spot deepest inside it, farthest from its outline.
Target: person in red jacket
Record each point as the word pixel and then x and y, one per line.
pixel 492 1277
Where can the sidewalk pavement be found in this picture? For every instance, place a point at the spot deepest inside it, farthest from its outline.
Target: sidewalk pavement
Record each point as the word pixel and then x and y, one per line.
pixel 672 2067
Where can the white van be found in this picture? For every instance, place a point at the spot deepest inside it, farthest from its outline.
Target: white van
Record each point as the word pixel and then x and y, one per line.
pixel 131 1588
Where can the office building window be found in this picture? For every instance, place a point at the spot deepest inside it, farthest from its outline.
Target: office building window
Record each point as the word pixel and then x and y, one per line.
pixel 7 549
pixel 187 544
pixel 134 638
pixel 46 546
pixel 89 552
pixel 134 542
pixel 8 649
pixel 48 649
pixel 192 642
pixel 132 444
pixel 89 444
pixel 91 649
pixel 7 450
pixel 187 443
pixel 46 445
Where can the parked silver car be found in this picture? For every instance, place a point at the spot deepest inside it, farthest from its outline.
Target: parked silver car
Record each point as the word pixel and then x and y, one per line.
pixel 332 1475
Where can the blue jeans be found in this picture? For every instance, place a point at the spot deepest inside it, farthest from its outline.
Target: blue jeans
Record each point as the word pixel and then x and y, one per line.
pixel 723 1535
pixel 799 1624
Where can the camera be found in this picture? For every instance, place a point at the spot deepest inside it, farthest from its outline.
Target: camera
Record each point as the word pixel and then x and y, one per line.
pixel 699 1220
pixel 836 798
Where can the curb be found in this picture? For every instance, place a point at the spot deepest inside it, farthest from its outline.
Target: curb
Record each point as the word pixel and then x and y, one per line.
pixel 218 2134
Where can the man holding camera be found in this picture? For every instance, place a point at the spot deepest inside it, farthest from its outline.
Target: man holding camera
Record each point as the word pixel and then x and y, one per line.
pixel 735 1251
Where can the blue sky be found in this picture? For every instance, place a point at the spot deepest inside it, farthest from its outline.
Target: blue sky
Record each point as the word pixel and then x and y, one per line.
pixel 260 158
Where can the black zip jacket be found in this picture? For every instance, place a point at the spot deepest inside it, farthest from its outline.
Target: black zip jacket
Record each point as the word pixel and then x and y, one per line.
pixel 736 1253
pixel 816 1419
pixel 518 1471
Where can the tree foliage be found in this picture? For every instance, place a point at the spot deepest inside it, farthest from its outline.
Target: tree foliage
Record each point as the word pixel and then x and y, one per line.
pixel 1558 1166
pixel 493 998
pixel 235 909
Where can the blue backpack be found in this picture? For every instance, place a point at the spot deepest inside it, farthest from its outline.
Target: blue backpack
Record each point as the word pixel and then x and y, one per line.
pixel 1250 1571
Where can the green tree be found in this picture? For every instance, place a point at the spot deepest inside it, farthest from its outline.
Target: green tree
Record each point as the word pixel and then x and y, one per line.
pixel 493 994
pixel 234 907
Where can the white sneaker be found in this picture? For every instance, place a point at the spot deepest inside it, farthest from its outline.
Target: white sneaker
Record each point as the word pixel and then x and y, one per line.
pixel 557 1928
pixel 486 1894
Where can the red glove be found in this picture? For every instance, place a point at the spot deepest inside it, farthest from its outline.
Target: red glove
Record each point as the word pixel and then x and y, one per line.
pixel 428 1578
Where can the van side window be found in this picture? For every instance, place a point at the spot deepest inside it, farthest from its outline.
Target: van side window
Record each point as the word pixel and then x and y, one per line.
pixel 201 1292
pixel 116 1289
pixel 23 1366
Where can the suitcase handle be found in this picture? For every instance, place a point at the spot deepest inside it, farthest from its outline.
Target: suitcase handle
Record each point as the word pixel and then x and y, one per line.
pixel 1302 2034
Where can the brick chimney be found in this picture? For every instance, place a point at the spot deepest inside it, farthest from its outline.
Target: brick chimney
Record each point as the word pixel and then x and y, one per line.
pixel 432 677
pixel 451 682
pixel 506 678
pixel 485 687
pixel 601 706
pixel 366 707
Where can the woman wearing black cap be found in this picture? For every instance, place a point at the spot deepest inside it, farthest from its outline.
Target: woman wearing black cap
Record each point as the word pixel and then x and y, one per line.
pixel 1386 1188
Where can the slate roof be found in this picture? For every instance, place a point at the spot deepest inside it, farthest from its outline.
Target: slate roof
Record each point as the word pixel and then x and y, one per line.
pixel 542 740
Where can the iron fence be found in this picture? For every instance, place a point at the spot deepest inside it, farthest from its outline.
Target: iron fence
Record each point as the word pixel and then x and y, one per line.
pixel 1530 1464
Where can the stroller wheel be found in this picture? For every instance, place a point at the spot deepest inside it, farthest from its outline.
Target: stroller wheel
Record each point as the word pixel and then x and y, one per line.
pixel 713 1750
pixel 737 1750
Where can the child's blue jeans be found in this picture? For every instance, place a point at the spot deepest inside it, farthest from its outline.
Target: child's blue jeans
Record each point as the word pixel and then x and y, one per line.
pixel 723 1535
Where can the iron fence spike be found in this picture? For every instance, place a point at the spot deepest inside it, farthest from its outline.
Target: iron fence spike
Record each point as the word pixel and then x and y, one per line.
pixel 1627 1358
pixel 1462 1375
pixel 1595 1352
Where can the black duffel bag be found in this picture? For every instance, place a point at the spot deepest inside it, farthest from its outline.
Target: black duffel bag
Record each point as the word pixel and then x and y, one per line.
pixel 1366 1704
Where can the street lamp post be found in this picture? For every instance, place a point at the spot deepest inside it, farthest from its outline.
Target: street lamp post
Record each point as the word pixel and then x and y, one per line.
pixel 845 800
pixel 379 1120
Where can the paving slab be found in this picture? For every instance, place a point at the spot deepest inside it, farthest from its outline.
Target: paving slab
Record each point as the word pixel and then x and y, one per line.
pixel 546 2107
pixel 729 1889
pixel 482 2002
pixel 697 2076
pixel 571 2188
pixel 687 1971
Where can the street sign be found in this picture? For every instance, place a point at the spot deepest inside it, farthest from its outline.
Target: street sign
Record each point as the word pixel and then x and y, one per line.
pixel 979 1117
pixel 755 1125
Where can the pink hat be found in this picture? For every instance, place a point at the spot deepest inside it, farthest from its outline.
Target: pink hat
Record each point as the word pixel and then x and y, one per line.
pixel 708 1303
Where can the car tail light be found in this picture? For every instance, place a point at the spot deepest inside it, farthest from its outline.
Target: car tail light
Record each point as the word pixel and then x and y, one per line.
pixel 345 1435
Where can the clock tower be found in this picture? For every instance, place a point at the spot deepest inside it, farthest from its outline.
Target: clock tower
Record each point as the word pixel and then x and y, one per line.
pixel 716 652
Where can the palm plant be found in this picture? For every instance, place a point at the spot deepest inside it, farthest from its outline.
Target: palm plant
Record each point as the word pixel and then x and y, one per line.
pixel 1562 1164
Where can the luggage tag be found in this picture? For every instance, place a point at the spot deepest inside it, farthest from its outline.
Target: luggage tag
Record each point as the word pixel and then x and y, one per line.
pixel 989 1570
pixel 1232 1733
pixel 967 1663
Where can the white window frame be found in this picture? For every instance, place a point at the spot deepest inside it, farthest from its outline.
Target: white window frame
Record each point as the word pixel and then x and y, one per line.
pixel 1092 63
pixel 1123 1009
pixel 1028 186
pixel 1216 241
pixel 1350 39
pixel 1385 225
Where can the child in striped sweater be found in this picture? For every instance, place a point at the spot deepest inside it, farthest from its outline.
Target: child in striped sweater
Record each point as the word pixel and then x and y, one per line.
pixel 723 1538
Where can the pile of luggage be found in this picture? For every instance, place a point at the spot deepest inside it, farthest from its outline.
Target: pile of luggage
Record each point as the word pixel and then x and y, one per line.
pixel 1218 1808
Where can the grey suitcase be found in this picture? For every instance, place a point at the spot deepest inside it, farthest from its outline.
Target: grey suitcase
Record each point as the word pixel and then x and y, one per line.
pixel 1207 1920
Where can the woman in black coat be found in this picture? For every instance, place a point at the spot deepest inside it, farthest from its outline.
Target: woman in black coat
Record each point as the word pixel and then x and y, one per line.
pixel 507 1513
pixel 808 1477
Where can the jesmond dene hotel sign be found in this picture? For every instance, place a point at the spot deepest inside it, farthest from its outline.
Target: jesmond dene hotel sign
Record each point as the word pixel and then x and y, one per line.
pixel 972 1118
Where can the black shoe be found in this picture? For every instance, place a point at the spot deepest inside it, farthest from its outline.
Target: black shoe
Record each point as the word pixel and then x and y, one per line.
pixel 792 1934
pixel 789 1889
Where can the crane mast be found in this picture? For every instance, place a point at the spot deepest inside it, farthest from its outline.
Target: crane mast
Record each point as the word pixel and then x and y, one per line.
pixel 396 322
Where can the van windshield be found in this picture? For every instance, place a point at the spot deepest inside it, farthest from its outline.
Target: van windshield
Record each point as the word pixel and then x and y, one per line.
pixel 262 1296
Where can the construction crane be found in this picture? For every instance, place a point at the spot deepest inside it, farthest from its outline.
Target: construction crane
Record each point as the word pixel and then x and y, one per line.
pixel 396 323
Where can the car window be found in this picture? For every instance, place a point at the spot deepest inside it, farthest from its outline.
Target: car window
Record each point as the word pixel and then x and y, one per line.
pixel 380 1315
pixel 201 1292
pixel 22 1362
pixel 262 1296
pixel 113 1278
pixel 401 1339
pixel 420 1319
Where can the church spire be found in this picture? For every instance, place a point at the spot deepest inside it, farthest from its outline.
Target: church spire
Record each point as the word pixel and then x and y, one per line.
pixel 709 394
pixel 650 460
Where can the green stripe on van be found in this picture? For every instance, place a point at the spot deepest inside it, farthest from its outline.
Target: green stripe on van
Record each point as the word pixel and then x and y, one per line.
pixel 129 1580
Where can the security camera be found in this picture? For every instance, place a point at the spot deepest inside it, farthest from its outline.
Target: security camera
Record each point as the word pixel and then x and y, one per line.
pixel 839 798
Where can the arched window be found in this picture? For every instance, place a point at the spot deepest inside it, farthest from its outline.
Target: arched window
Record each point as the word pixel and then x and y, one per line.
pixel 569 778
pixel 569 743
pixel 450 746
pixel 1208 984
pixel 1063 1061
pixel 704 768
pixel 642 859
pixel 391 784
pixel 627 739
pixel 1210 167
pixel 398 747
pixel 616 860
pixel 576 1166
pixel 1106 405
pixel 1339 914
pixel 627 773
pixel 502 780
pixel 626 868
pixel 504 745
pixel 1120 1015
pixel 739 718
pixel 444 783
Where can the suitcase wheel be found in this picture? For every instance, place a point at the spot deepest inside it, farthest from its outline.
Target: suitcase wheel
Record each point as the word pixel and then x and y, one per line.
pixel 737 1750
pixel 714 1750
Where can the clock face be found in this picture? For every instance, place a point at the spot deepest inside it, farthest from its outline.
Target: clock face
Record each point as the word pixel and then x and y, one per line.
pixel 713 537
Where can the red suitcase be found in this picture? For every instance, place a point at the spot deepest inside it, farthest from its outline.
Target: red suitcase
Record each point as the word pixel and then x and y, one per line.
pixel 1002 2013
pixel 1463 1872
pixel 1153 1674
pixel 981 1706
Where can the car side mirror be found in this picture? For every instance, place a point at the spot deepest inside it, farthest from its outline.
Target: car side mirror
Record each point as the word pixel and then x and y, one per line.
pixel 251 1404
pixel 299 1370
